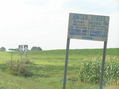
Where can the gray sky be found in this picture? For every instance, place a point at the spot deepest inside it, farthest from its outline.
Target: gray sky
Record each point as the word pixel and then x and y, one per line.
pixel 44 23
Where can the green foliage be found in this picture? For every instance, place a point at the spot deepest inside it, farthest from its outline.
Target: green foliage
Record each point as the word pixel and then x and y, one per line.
pixel 112 71
pixel 19 67
pixel 91 71
pixel 48 68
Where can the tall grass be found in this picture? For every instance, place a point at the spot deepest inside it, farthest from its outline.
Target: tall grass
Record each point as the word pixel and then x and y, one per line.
pixel 48 69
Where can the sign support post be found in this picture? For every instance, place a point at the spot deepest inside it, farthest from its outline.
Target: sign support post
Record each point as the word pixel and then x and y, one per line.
pixel 66 63
pixel 103 65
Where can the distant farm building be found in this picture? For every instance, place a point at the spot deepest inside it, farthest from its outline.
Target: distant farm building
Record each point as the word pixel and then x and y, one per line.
pixel 2 49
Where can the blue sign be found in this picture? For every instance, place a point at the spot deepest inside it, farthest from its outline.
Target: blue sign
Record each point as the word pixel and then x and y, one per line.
pixel 88 27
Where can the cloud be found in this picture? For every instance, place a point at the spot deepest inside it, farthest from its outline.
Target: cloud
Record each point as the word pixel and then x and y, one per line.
pixel 29 22
pixel 106 6
pixel 113 30
pixel 37 2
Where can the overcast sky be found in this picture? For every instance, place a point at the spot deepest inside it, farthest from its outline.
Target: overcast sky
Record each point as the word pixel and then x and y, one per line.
pixel 44 23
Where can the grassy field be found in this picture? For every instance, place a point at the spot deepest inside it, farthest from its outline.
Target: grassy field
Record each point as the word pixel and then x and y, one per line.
pixel 48 69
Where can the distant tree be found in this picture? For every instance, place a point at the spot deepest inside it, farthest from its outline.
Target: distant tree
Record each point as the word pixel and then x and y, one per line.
pixel 36 48
pixel 2 49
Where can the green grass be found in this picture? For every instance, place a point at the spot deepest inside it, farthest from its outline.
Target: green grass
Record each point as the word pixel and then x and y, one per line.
pixel 49 68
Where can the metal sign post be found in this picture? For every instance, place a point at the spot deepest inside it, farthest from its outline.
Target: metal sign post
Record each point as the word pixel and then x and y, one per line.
pixel 87 27
pixel 103 63
pixel 66 63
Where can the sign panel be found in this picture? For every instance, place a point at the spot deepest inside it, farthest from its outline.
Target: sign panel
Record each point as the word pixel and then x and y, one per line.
pixel 23 48
pixel 88 27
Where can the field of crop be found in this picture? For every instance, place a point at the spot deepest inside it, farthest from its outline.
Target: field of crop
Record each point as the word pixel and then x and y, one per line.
pixel 48 68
